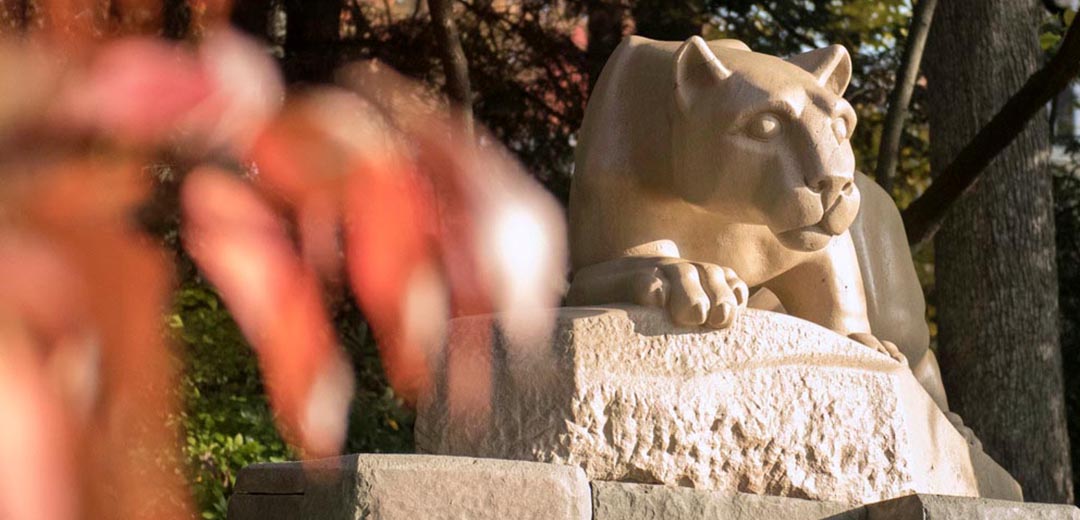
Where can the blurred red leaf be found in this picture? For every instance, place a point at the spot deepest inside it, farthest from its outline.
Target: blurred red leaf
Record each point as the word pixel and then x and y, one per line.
pixel 137 90
pixel 34 432
pixel 89 293
pixel 242 247
pixel 432 224
pixel 390 228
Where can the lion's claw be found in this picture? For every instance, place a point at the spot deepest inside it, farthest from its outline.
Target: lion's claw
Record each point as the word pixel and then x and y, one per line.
pixel 694 293
pixel 967 433
pixel 885 347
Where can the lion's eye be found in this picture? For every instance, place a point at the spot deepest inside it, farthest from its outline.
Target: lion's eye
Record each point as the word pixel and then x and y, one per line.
pixel 765 126
pixel 840 128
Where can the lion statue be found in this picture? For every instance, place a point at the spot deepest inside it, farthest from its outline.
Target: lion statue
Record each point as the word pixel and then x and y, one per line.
pixel 705 171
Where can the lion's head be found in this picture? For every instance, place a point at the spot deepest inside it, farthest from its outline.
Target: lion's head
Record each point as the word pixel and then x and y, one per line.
pixel 764 140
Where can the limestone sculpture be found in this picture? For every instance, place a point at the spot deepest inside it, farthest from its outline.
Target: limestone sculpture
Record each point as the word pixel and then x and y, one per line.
pixel 711 179
pixel 705 171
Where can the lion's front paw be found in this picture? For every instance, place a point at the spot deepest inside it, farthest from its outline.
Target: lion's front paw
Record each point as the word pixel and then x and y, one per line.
pixel 694 293
pixel 967 433
pixel 885 347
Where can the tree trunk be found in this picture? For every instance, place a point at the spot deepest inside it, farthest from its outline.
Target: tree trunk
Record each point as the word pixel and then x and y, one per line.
pixel 1063 126
pixel 996 282
pixel 924 215
pixel 455 66
pixel 311 40
pixel 900 97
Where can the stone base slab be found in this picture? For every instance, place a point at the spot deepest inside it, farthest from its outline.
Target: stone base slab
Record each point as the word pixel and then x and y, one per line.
pixel 772 406
pixel 414 487
pixel 409 487
pixel 938 507
pixel 623 501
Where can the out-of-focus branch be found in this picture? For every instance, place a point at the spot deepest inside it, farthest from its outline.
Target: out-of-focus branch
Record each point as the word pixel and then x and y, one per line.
pixel 16 13
pixel 900 97
pixel 176 20
pixel 924 216
pixel 455 66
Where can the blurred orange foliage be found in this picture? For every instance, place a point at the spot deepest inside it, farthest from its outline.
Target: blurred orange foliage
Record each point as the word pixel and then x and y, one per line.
pixel 368 183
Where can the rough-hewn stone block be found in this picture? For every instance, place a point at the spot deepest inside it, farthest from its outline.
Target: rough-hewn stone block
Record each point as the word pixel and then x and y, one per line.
pixel 774 405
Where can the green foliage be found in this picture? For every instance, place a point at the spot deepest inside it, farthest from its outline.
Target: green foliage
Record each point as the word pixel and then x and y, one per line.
pixel 1053 33
pixel 378 421
pixel 227 421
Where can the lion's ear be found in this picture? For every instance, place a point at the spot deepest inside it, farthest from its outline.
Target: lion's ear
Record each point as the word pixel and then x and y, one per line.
pixel 831 66
pixel 696 68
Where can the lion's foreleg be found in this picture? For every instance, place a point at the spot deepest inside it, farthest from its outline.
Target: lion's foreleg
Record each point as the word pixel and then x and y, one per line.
pixel 826 289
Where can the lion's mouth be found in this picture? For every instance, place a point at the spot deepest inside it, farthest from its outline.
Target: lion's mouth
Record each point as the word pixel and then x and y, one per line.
pixel 806 238
pixel 813 237
pixel 834 221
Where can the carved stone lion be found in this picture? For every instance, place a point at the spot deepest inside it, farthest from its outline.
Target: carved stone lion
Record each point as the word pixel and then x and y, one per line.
pixel 705 171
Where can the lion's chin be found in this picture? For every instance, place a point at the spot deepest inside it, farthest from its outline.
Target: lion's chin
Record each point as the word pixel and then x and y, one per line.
pixel 806 238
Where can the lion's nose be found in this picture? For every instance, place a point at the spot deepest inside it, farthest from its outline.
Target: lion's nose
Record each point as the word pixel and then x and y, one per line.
pixel 831 187
pixel 823 183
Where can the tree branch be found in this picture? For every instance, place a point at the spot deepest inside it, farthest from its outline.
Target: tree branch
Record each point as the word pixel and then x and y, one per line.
pixel 455 66
pixel 924 216
pixel 900 97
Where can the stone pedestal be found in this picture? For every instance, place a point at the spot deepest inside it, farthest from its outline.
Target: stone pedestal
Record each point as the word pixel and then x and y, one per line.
pixel 413 487
pixel 772 406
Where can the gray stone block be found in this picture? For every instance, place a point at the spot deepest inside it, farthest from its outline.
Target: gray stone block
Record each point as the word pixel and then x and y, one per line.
pixel 264 507
pixel 939 507
pixel 285 478
pixel 413 487
pixel 623 501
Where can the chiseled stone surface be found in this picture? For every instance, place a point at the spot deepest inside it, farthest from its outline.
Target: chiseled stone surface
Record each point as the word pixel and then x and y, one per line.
pixel 773 405
pixel 622 501
pixel 411 487
pixel 934 507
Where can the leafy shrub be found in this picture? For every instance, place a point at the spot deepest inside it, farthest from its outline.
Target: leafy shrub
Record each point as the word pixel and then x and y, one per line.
pixel 227 420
